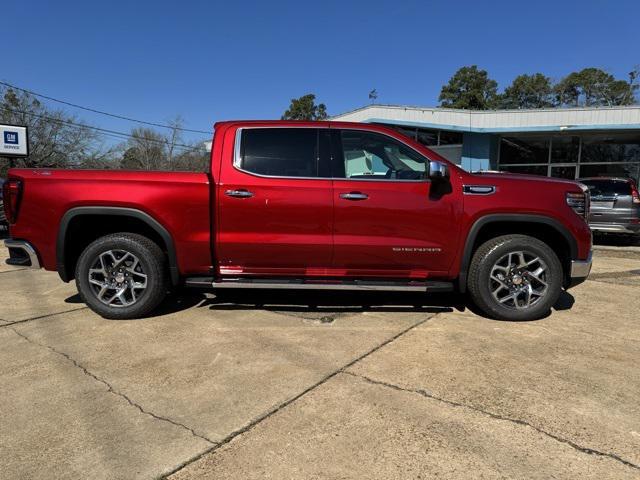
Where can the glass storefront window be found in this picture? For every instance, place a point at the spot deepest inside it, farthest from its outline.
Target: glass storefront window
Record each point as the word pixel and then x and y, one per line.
pixel 622 170
pixel 529 169
pixel 568 172
pixel 428 138
pixel 515 150
pixel 565 149
pixel 564 156
pixel 586 154
pixel 611 148
pixel 409 132
pixel 450 138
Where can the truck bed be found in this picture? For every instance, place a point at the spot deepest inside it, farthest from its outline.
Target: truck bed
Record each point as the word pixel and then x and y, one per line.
pixel 179 201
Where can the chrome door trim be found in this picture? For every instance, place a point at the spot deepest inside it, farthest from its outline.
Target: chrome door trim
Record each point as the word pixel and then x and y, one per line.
pixel 239 193
pixel 478 189
pixel 354 196
pixel 237 157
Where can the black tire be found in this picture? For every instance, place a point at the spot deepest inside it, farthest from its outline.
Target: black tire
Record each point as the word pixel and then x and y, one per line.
pixel 151 262
pixel 482 285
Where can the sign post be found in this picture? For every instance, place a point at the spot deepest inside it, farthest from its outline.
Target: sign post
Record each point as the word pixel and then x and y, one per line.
pixel 14 142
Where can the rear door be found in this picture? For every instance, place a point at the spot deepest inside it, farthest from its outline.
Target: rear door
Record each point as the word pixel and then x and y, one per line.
pixel 389 220
pixel 275 204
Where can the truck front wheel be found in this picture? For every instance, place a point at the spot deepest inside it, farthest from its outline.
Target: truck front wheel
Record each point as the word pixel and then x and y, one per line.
pixel 122 276
pixel 515 277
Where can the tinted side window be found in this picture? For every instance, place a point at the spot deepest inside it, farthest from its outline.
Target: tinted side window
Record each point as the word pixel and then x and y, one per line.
pixel 281 152
pixel 373 156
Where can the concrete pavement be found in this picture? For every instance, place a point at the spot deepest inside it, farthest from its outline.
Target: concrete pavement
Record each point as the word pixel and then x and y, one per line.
pixel 300 385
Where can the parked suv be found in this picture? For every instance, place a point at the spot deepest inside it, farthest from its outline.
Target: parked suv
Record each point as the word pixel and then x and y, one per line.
pixel 615 205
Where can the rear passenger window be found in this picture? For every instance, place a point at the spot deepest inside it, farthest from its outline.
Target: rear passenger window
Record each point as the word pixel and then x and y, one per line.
pixel 280 152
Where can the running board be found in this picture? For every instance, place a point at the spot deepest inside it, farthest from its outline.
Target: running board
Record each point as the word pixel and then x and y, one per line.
pixel 306 284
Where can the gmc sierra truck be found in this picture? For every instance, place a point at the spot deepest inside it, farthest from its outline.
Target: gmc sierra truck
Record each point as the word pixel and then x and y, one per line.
pixel 304 205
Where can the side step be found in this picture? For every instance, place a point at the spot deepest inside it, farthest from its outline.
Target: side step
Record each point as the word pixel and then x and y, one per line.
pixel 306 284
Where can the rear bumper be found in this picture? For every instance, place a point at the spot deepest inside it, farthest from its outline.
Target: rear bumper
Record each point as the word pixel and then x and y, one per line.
pixel 580 270
pixel 21 254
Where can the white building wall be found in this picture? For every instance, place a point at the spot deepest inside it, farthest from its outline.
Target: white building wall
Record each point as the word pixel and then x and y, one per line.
pixel 503 120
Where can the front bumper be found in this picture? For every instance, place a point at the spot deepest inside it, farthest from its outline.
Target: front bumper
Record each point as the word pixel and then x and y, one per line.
pixel 580 270
pixel 21 254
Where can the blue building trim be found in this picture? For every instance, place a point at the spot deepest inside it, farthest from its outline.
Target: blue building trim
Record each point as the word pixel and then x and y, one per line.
pixel 479 151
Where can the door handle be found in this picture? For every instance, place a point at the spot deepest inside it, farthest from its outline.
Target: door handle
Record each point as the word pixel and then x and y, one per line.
pixel 239 193
pixel 354 196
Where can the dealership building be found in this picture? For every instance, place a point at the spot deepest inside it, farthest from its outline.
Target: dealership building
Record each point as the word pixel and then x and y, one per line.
pixel 566 143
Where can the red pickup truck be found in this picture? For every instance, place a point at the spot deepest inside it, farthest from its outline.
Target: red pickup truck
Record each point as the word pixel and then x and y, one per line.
pixel 304 205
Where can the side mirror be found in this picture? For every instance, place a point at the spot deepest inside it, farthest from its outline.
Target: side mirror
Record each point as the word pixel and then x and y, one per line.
pixel 438 170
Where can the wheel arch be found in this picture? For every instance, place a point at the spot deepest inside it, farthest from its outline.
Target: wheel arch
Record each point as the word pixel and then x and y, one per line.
pixel 109 220
pixel 547 229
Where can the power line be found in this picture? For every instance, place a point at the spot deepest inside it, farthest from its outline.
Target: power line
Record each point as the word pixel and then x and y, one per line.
pixel 103 130
pixel 121 117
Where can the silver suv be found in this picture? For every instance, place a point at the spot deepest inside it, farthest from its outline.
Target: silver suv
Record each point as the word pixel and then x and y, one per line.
pixel 615 205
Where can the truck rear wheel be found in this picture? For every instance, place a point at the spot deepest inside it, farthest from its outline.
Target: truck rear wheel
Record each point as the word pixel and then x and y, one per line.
pixel 122 276
pixel 515 277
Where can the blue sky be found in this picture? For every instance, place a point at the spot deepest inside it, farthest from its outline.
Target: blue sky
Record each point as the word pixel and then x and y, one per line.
pixel 210 60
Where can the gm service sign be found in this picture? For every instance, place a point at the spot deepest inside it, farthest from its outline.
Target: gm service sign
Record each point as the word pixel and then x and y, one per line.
pixel 14 141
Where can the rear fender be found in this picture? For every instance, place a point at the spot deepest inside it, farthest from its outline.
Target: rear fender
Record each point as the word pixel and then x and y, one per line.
pixel 114 211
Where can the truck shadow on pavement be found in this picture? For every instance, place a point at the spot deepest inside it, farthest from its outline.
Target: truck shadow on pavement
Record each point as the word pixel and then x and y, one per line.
pixel 340 302
pixel 314 304
pixel 322 306
pixel 616 240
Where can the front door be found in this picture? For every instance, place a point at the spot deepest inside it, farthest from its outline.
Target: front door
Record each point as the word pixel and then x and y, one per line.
pixel 388 221
pixel 275 206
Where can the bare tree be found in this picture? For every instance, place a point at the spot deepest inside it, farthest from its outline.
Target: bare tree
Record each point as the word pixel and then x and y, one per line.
pixel 175 137
pixel 145 150
pixel 56 139
pixel 193 160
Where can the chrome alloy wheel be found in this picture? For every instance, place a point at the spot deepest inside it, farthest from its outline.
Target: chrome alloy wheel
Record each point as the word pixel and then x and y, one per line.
pixel 117 278
pixel 518 280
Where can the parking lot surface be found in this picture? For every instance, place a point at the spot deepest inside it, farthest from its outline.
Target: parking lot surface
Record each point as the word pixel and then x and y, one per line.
pixel 304 385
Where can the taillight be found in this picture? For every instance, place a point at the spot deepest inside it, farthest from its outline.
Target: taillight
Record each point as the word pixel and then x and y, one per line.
pixel 635 196
pixel 579 202
pixel 11 191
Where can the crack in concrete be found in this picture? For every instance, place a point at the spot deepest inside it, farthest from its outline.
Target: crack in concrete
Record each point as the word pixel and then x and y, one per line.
pixel 16 270
pixel 623 281
pixel 41 316
pixel 426 394
pixel 112 390
pixel 614 275
pixel 291 400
